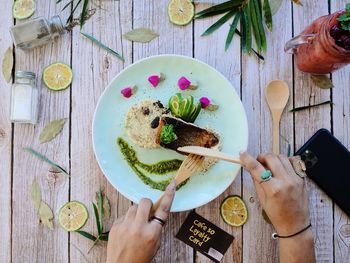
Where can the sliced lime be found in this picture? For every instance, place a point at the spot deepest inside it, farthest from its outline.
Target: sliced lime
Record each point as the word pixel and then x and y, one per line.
pixel 57 76
pixel 23 9
pixel 234 211
pixel 72 216
pixel 181 12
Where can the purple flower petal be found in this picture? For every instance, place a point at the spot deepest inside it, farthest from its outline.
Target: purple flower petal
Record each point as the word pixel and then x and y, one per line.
pixel 205 102
pixel 154 80
pixel 183 83
pixel 127 92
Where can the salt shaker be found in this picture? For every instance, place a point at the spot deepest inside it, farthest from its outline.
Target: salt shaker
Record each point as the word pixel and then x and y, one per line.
pixel 24 98
pixel 36 32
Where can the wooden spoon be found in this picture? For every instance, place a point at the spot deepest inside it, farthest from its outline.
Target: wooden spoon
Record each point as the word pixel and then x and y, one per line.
pixel 277 95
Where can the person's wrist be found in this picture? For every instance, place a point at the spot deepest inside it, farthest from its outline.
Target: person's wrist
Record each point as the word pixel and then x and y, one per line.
pixel 290 229
pixel 302 238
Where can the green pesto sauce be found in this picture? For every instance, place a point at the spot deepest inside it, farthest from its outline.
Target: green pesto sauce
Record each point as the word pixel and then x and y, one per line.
pixel 160 168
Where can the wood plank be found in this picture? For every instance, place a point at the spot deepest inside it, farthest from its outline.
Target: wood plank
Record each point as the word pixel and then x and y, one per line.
pixel 173 39
pixel 94 68
pixel 255 77
pixel 35 242
pixel 229 64
pixel 306 124
pixel 341 129
pixel 6 21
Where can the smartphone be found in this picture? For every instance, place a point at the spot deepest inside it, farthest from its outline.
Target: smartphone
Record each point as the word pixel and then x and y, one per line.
pixel 327 163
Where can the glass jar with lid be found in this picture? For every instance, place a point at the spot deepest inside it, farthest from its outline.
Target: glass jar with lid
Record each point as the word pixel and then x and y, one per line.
pixel 36 32
pixel 24 98
pixel 317 49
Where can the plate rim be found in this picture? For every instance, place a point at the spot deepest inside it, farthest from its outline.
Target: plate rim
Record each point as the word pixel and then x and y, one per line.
pixel 245 143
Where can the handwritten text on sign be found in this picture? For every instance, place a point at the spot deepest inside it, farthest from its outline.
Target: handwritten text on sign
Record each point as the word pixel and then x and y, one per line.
pixel 204 236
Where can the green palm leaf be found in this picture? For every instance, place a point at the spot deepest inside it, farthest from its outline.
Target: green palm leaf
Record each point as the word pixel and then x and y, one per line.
pixel 219 9
pixel 267 14
pixel 83 13
pixel 219 23
pixel 246 33
pixel 232 30
pixel 255 25
pixel 261 30
pixel 98 224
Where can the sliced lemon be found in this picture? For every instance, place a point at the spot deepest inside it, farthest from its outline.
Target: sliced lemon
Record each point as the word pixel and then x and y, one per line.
pixel 181 12
pixel 23 9
pixel 234 211
pixel 72 216
pixel 57 76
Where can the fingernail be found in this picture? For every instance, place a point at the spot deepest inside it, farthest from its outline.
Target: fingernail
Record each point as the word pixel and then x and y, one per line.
pixel 241 152
pixel 171 186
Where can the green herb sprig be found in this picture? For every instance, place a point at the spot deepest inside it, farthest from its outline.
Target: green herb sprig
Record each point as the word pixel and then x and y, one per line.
pixel 168 134
pixel 252 16
pixel 344 19
pixel 46 160
pixel 99 218
pixel 83 15
pixel 101 45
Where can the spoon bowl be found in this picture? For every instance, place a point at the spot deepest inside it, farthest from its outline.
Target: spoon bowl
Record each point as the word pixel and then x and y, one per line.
pixel 277 95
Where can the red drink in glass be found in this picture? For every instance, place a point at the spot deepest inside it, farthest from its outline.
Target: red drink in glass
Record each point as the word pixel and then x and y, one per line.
pixel 315 49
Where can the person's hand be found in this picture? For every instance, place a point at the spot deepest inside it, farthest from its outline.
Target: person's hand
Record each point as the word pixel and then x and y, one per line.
pixel 136 237
pixel 283 197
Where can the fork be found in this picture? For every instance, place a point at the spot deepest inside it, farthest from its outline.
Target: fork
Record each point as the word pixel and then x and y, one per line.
pixel 189 166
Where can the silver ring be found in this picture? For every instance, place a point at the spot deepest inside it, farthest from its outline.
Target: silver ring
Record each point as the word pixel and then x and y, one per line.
pixel 299 166
pixel 158 220
pixel 265 180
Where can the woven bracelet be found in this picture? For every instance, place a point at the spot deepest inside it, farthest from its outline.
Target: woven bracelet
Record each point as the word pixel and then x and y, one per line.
pixel 275 235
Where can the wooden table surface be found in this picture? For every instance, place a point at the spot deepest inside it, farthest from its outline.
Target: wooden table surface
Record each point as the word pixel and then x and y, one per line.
pixel 23 239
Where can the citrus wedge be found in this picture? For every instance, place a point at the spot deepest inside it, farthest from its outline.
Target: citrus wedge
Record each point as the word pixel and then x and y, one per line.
pixel 23 9
pixel 234 211
pixel 181 12
pixel 72 216
pixel 57 76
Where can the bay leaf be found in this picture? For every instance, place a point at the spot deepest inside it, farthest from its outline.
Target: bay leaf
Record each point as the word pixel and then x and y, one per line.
pixel 142 35
pixel 7 64
pixel 36 194
pixel 51 130
pixel 106 205
pixel 322 81
pixel 46 215
pixel 275 5
pixel 47 223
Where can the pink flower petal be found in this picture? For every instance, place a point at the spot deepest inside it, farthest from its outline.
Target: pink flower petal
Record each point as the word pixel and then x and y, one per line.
pixel 154 80
pixel 205 102
pixel 127 92
pixel 183 83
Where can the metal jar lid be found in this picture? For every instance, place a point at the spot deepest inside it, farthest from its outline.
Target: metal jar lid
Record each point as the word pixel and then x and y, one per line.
pixel 56 25
pixel 25 74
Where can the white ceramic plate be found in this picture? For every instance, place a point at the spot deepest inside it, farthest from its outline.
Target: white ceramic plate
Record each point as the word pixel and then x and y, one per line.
pixel 229 121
